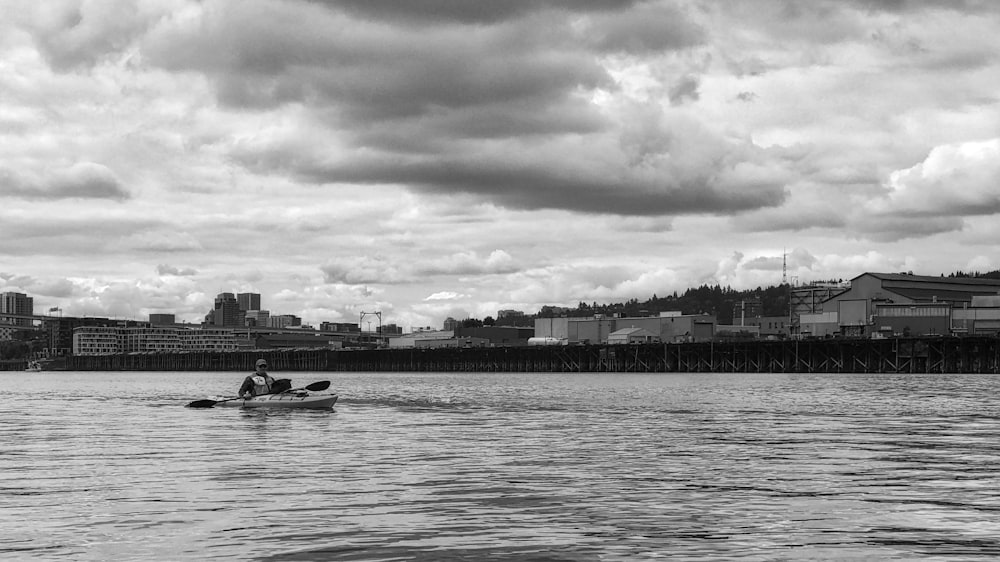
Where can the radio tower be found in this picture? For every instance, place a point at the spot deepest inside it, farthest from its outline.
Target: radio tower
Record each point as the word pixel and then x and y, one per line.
pixel 784 267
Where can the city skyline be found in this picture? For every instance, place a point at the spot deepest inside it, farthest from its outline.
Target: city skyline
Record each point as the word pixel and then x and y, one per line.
pixel 453 159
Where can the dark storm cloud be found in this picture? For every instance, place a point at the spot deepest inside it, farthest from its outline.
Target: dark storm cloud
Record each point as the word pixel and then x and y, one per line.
pixel 375 72
pixel 411 99
pixel 971 6
pixel 467 11
pixel 530 186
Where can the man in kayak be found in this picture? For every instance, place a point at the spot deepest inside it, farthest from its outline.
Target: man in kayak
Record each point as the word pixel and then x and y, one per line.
pixel 258 383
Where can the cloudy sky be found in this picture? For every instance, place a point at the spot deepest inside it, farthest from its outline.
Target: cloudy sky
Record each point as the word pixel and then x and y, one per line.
pixel 435 158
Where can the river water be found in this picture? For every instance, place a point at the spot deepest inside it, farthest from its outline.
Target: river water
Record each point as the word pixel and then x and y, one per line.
pixel 447 466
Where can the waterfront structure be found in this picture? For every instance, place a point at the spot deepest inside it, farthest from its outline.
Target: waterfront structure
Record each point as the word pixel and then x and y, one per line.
pixel 747 309
pixel 19 304
pixel 980 318
pixel 632 336
pixel 932 354
pixel 498 335
pixel 410 340
pixel 112 339
pixel 341 327
pixel 60 331
pixel 809 299
pixel 97 340
pixel 103 340
pixel 817 325
pixel 668 327
pixel 731 331
pixel 770 326
pixel 149 339
pixel 856 309
pixel 298 339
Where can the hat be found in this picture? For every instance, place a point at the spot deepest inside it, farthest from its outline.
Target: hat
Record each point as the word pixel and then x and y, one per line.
pixel 261 362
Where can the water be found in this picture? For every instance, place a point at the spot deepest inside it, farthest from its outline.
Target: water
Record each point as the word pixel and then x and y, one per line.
pixel 111 466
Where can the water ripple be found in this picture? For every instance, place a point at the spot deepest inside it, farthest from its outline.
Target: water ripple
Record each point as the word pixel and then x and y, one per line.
pixel 431 466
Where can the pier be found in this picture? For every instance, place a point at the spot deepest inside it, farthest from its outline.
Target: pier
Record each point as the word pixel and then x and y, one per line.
pixel 896 355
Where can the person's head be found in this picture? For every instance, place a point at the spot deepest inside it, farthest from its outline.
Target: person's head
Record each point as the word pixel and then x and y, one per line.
pixel 261 365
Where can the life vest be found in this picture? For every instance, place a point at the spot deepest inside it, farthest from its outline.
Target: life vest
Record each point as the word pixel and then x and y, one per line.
pixel 261 384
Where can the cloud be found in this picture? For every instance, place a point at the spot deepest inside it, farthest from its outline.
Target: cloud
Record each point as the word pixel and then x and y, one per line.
pixel 955 181
pixel 83 180
pixel 157 241
pixel 164 269
pixel 73 33
pixel 469 263
pixel 496 111
pixel 468 12
pixel 357 270
pixel 446 296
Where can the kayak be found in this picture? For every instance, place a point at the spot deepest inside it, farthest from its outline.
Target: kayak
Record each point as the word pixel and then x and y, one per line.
pixel 285 400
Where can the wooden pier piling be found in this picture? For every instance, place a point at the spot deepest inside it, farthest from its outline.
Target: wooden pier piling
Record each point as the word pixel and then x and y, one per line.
pixel 897 355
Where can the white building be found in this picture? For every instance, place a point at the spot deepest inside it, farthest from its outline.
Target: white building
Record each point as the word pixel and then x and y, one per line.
pixel 150 339
pixel 108 340
pixel 208 339
pixel 97 340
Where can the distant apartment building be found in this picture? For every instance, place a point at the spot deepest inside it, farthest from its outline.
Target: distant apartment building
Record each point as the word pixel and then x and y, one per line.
pixel 136 340
pixel 450 324
pixel 61 332
pixel 17 303
pixel 209 339
pixel 97 340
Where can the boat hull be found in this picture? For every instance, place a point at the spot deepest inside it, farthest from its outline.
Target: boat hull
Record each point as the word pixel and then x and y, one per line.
pixel 300 400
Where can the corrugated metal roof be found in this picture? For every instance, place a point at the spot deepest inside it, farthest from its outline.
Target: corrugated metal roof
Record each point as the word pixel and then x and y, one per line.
pixel 932 279
pixel 928 294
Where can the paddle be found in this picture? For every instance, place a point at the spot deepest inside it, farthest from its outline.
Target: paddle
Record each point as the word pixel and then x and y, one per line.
pixel 314 387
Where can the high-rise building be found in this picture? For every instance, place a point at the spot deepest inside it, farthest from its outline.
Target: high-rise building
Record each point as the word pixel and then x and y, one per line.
pixel 17 303
pixel 284 321
pixel 226 311
pixel 248 301
pixel 162 319
pixel 258 318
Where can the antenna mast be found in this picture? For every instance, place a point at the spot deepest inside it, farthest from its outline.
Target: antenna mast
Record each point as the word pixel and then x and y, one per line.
pixel 784 267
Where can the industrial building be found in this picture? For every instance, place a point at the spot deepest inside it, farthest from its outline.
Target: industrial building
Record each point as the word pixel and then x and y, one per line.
pixel 669 327
pixel 903 304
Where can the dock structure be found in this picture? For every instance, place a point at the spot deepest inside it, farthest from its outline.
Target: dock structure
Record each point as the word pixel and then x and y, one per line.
pixel 896 355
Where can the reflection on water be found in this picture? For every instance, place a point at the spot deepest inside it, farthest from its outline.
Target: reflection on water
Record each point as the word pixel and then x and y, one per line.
pixel 503 467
